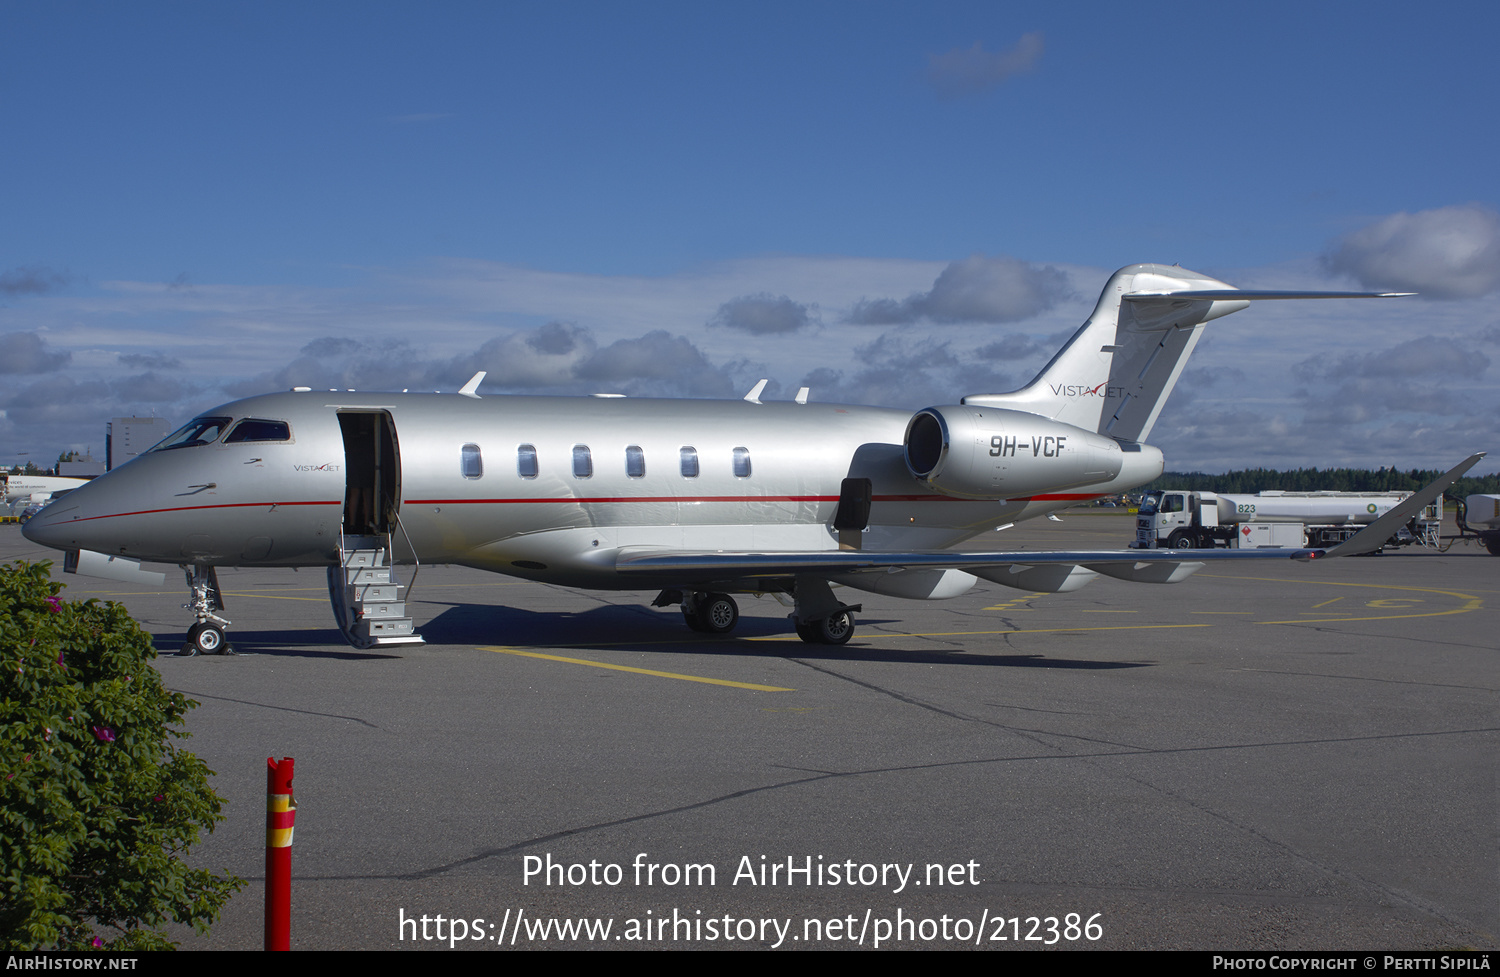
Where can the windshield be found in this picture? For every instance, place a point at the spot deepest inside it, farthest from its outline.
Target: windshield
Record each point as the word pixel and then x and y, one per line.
pixel 1149 502
pixel 202 430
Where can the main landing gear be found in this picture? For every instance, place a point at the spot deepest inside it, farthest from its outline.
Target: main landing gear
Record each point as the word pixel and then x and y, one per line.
pixel 207 636
pixel 710 613
pixel 819 617
pixel 836 629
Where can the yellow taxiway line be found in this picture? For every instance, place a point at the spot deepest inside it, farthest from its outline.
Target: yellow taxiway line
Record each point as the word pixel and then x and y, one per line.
pixel 638 671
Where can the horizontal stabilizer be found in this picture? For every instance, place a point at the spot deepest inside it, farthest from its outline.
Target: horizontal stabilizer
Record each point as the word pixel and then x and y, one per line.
pixel 1252 294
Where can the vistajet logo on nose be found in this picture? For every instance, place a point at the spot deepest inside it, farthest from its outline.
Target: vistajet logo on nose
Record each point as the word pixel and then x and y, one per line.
pixel 316 468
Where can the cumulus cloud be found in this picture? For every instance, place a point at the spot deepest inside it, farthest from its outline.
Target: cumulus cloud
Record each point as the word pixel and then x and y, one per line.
pixel 657 364
pixel 556 358
pixel 976 289
pixel 764 315
pixel 152 387
pixel 1016 346
pixel 968 71
pixel 24 352
pixel 32 280
pixel 150 361
pixel 1450 252
pixel 1433 356
pixel 900 371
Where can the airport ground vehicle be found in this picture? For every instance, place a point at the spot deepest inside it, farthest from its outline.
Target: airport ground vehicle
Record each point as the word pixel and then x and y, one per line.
pixel 1479 516
pixel 1203 520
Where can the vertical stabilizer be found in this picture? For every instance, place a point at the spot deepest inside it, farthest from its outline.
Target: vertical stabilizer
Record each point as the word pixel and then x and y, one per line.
pixel 1114 375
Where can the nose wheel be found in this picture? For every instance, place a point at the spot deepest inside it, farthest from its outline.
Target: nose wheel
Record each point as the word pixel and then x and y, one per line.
pixel 206 637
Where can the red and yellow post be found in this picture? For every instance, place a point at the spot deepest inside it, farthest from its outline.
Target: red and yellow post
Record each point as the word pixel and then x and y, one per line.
pixel 281 817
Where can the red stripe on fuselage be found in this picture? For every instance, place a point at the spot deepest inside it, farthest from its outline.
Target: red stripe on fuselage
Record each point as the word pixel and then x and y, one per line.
pixel 194 508
pixel 1057 497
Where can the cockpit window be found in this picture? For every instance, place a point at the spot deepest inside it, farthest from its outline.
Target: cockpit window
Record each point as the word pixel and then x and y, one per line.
pixel 202 430
pixel 254 429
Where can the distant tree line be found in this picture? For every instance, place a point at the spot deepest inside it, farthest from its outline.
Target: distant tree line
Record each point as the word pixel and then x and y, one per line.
pixel 1253 480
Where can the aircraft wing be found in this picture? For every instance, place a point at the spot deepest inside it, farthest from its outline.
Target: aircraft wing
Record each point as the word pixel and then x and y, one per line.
pixel 645 559
pixel 1043 570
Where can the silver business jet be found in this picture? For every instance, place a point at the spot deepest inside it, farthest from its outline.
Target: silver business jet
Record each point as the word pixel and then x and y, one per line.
pixel 696 499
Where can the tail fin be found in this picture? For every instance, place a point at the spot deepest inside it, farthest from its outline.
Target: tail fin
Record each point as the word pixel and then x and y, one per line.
pixel 1114 375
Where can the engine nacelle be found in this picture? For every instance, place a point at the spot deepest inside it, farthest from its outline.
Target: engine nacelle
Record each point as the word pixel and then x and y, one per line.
pixel 995 453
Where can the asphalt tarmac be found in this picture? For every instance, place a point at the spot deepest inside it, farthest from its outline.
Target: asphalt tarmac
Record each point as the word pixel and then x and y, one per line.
pixel 1272 756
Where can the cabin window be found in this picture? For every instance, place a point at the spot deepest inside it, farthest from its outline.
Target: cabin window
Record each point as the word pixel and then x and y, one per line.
pixel 689 462
pixel 741 462
pixel 583 461
pixel 635 461
pixel 469 461
pixel 526 461
pixel 255 429
pixel 201 430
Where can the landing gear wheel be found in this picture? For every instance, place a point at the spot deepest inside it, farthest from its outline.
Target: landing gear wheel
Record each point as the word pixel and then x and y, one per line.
pixel 1181 540
pixel 836 629
pixel 718 614
pixel 205 639
pixel 1491 542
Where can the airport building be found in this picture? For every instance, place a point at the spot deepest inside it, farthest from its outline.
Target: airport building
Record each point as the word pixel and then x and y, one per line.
pixel 126 437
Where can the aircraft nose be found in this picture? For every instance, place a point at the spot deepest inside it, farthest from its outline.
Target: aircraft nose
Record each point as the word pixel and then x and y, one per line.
pixel 53 525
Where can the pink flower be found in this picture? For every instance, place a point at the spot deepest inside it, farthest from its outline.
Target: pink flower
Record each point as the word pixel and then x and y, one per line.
pixel 104 734
pixel 97 942
pixel 54 604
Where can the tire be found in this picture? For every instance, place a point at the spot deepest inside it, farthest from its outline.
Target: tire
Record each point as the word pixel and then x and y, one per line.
pixel 206 639
pixel 836 629
pixel 1181 540
pixel 718 614
pixel 1491 542
pixel 809 633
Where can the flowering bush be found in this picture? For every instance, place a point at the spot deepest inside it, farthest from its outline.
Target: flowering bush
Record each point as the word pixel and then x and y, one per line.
pixel 97 806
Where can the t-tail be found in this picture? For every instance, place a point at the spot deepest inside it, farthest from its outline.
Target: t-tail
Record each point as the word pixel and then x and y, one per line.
pixel 1114 375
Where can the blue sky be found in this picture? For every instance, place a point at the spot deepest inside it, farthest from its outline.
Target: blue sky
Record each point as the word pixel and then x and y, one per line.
pixel 208 200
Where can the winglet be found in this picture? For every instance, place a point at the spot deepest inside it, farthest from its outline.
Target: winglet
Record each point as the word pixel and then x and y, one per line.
pixel 1373 536
pixel 754 395
pixel 468 389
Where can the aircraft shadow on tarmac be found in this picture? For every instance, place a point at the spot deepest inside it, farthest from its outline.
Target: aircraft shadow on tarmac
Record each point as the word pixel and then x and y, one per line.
pixel 284 644
pixel 663 633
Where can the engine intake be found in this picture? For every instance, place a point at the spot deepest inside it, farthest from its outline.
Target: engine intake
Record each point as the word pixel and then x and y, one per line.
pixel 995 453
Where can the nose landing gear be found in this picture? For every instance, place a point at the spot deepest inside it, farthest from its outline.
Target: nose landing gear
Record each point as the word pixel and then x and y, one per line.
pixel 207 636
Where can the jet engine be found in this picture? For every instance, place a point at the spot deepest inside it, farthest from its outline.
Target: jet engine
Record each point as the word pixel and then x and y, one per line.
pixel 995 453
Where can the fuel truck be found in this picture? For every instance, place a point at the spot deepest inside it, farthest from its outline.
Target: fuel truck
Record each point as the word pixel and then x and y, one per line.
pixel 1192 520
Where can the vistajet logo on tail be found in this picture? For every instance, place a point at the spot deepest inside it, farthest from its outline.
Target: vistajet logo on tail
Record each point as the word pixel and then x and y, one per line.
pixel 1079 390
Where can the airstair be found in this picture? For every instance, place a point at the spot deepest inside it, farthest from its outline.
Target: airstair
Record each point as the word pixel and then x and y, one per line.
pixel 366 595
